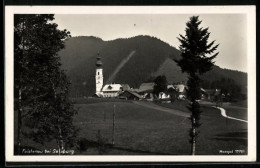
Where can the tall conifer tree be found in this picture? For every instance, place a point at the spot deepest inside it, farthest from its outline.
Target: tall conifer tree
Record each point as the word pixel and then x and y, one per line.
pixel 197 56
pixel 40 86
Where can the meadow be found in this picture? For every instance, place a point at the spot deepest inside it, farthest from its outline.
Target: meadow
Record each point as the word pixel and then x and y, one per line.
pixel 140 130
pixel 149 131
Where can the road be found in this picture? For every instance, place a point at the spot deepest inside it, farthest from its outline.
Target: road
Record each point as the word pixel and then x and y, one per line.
pixel 223 113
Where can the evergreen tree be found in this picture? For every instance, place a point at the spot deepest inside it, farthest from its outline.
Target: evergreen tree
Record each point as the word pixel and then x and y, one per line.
pixel 160 84
pixel 196 58
pixel 41 87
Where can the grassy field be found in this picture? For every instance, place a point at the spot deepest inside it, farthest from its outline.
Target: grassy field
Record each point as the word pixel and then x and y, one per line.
pixel 136 127
pixel 140 128
pixel 237 112
pixel 178 104
pixel 217 132
pixel 95 100
pixel 145 131
pixel 240 103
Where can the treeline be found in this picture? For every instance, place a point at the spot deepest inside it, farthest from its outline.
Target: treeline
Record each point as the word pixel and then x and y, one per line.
pixel 229 88
pixel 217 73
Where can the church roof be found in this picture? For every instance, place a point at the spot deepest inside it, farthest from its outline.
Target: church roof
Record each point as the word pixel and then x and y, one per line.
pixel 99 62
pixel 112 87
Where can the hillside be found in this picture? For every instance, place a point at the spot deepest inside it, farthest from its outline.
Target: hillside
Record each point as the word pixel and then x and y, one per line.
pixel 132 61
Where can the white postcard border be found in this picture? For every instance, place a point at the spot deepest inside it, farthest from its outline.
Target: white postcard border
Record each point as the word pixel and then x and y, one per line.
pixel 250 11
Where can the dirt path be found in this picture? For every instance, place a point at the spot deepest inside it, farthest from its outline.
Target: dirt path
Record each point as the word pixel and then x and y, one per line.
pixel 223 113
pixel 163 109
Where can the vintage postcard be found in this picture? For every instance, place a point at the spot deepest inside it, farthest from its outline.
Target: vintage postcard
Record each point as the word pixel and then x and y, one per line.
pixel 130 83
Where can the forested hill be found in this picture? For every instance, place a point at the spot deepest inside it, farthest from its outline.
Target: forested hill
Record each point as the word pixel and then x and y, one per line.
pixel 130 61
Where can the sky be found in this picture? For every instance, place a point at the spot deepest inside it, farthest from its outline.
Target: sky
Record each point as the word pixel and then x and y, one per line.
pixel 229 30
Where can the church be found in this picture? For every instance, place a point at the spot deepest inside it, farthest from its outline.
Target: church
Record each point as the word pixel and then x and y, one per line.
pixel 107 90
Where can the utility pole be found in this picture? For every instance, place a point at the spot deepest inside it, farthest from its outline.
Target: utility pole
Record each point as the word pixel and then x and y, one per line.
pixel 113 136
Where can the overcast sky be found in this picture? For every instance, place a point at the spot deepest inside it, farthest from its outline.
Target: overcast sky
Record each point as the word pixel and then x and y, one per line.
pixel 229 30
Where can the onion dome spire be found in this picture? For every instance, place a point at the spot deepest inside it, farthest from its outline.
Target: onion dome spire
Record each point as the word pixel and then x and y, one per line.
pixel 99 62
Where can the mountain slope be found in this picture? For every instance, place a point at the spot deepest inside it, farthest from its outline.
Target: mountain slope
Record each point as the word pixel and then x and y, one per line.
pixel 131 61
pixel 171 70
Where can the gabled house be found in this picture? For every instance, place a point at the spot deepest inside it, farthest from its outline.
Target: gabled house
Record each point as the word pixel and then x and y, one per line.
pixel 130 95
pixel 112 90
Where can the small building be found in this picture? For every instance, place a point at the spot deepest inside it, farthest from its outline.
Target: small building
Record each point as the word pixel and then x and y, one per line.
pixel 170 86
pixel 163 95
pixel 112 90
pixel 180 88
pixel 129 95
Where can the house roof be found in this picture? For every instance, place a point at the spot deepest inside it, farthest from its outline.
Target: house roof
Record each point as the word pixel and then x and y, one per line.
pixel 132 93
pixel 180 87
pixel 170 86
pixel 136 94
pixel 125 86
pixel 203 90
pixel 112 87
pixel 98 95
pixel 146 87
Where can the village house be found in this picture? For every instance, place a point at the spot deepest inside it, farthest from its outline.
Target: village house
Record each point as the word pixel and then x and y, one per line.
pixel 130 95
pixel 112 90
pixel 163 95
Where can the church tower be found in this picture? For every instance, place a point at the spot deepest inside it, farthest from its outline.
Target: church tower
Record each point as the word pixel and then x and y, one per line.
pixel 99 75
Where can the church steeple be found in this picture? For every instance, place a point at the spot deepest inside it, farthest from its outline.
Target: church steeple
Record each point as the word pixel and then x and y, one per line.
pixel 99 75
pixel 99 62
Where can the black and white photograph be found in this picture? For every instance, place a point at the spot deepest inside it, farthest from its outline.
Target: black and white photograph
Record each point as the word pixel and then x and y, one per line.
pixel 130 83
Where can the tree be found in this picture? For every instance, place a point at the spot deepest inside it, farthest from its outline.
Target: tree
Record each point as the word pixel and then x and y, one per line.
pixel 196 58
pixel 173 94
pixel 41 87
pixel 160 85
